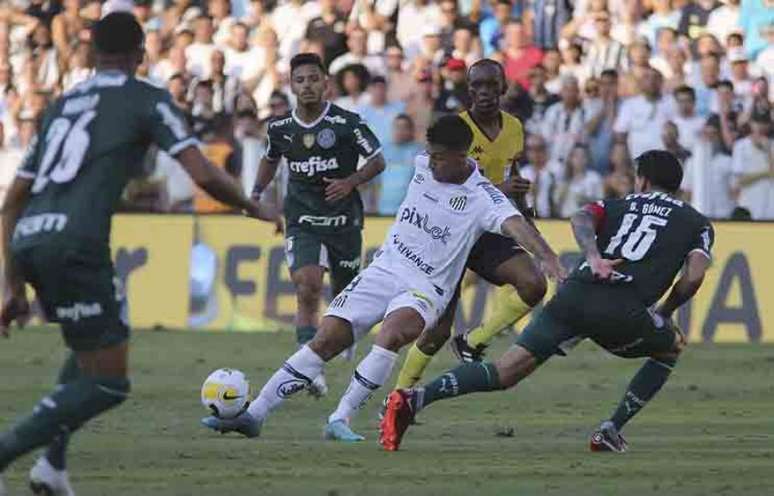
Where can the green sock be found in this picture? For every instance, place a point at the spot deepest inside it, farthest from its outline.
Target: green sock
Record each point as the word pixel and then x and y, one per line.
pixel 56 452
pixel 465 379
pixel 644 386
pixel 65 410
pixel 304 334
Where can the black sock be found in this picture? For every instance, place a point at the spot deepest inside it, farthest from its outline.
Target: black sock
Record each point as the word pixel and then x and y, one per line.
pixel 304 334
pixel 65 410
pixel 644 386
pixel 56 452
pixel 465 379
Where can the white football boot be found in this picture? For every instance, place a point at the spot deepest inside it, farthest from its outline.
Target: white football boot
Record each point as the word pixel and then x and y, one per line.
pixel 318 388
pixel 46 480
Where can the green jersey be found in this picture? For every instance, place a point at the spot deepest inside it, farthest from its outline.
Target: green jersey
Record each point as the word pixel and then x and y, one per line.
pixel 91 143
pixel 653 233
pixel 329 147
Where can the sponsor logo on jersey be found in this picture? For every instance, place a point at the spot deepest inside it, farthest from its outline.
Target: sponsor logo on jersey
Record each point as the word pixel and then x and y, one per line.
pixel 288 137
pixel 458 203
pixel 419 178
pixel 495 194
pixel 322 221
pixel 326 138
pixel 308 140
pixel 40 223
pixel 422 300
pixel 364 144
pixel 335 119
pixel 350 264
pixel 313 165
pixel 78 311
pixel 422 221
pixel 411 256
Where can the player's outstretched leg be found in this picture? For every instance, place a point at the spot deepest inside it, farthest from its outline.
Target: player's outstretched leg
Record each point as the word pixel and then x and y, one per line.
pixel 402 405
pixel 401 327
pixel 523 287
pixel 50 472
pixel 295 375
pixel 645 384
pixel 308 281
pixel 102 386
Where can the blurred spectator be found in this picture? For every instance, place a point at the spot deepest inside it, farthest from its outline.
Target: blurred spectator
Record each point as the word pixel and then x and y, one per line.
pixel 399 153
pixel 243 61
pixel 379 112
pixel 563 124
pixel 670 139
pixel 707 84
pixel 419 105
pixel 178 88
pixel 492 28
pixel 430 45
pixel 740 75
pixel 451 21
pixel 540 99
pixel 520 55
pixel 12 154
pixel 707 181
pixel 753 166
pixel 414 16
pixel 453 97
pixel 378 18
pixel 465 46
pixel 604 52
pixel 358 54
pixel 552 63
pixel 620 181
pixel 688 122
pixel 724 20
pixel 65 27
pixel 541 196
pixel 291 19
pixel 222 21
pixel 223 152
pixel 638 58
pixel 756 16
pixel 549 17
pixel 400 81
pixel 352 82
pixel 641 118
pixel 579 185
pixel 600 119
pixel 694 17
pixel 329 28
pixel 199 53
pixel 664 16
pixel 571 61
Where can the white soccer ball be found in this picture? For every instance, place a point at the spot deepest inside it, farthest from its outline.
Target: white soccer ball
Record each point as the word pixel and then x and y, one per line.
pixel 226 393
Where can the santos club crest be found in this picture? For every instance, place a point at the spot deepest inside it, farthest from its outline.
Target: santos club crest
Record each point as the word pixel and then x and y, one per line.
pixel 458 203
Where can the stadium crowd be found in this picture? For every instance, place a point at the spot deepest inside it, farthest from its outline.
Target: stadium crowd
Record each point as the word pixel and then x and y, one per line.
pixel 595 82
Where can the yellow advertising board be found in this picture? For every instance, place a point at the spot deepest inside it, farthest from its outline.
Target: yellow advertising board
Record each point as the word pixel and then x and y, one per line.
pixel 240 281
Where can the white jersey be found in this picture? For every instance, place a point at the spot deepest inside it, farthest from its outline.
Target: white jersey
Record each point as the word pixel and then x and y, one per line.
pixel 438 223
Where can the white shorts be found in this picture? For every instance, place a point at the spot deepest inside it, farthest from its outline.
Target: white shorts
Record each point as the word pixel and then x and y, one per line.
pixel 377 292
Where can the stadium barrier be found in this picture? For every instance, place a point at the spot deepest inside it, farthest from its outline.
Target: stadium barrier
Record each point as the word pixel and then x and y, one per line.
pixel 240 281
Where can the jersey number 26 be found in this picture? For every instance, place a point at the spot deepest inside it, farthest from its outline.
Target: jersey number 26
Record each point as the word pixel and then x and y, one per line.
pixel 72 139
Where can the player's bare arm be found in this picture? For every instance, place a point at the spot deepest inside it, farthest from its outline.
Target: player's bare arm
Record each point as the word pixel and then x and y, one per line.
pixel 338 189
pixel 518 228
pixel 584 229
pixel 266 172
pixel 15 307
pixel 218 184
pixel 696 265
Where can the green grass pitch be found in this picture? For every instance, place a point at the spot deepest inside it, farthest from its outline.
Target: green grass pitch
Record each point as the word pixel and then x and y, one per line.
pixel 711 431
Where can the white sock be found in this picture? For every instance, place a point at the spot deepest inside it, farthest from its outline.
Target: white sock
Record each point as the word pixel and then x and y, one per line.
pixel 369 376
pixel 294 375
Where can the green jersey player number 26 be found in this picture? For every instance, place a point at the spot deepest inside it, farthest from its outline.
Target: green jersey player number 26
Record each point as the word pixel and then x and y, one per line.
pixel 322 145
pixel 56 232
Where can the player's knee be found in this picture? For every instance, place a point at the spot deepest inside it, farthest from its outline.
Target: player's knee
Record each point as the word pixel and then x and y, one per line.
pixel 308 293
pixel 516 364
pixel 394 338
pixel 430 341
pixel 115 390
pixel 333 337
pixel 531 287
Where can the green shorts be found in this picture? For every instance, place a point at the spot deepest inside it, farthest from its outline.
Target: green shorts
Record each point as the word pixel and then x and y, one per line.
pixel 611 316
pixel 78 291
pixel 339 253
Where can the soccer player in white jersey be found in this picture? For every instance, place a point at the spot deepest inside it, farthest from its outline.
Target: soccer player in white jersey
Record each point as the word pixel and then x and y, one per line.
pixel 449 204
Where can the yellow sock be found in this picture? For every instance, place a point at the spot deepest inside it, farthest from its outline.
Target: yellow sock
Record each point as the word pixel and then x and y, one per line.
pixel 509 308
pixel 416 362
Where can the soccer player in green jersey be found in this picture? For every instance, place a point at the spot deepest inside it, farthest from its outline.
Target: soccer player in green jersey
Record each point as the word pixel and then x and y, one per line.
pixel 634 247
pixel 56 233
pixel 322 144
